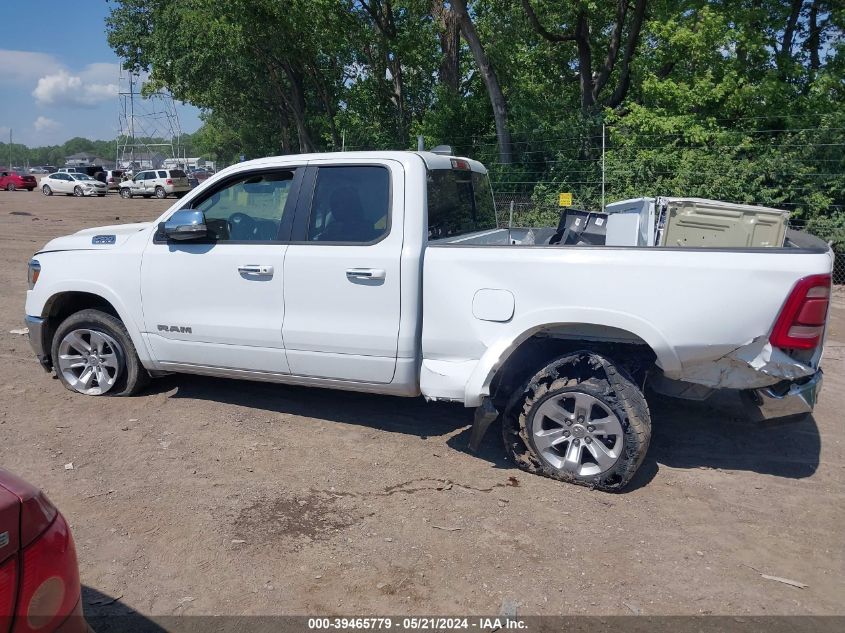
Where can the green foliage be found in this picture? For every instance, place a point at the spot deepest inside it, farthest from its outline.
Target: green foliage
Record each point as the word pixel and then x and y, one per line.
pixel 734 99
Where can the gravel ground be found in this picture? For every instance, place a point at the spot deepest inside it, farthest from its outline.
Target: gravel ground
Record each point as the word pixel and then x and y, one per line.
pixel 210 496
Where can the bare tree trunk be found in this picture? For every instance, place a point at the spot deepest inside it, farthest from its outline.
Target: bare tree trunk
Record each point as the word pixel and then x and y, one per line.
pixel 297 107
pixel 398 95
pixel 494 90
pixel 328 105
pixel 381 12
pixel 449 32
pixel 784 56
pixel 813 39
pixel 585 62
pixel 624 83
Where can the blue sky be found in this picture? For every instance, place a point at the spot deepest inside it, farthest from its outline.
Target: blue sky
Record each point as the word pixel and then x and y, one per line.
pixel 58 76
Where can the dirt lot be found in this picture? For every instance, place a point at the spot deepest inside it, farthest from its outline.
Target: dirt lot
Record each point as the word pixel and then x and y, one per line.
pixel 207 496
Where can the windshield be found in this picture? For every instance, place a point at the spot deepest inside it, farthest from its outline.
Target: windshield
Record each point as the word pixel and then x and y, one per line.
pixel 459 202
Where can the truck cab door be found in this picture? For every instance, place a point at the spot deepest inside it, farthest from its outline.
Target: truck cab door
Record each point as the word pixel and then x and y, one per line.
pixel 342 272
pixel 216 304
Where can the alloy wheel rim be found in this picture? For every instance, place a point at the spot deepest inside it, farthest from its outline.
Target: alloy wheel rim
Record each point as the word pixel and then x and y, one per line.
pixel 577 434
pixel 90 361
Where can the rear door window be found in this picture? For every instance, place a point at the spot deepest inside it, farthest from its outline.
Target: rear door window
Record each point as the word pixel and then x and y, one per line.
pixel 351 204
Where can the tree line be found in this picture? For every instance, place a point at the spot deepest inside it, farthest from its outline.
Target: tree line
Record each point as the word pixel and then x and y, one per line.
pixel 743 98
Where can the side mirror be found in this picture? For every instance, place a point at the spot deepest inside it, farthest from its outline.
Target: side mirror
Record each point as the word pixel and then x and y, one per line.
pixel 187 224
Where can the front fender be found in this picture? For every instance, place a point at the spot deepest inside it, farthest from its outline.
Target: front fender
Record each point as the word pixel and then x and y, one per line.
pixel 526 326
pixel 39 299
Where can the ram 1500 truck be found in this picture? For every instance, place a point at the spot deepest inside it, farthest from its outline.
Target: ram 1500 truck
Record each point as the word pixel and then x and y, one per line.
pixel 386 272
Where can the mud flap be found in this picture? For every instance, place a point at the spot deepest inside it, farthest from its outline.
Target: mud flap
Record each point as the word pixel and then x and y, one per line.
pixel 485 414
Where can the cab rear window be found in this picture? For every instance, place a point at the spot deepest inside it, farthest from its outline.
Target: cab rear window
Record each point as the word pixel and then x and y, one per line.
pixel 459 202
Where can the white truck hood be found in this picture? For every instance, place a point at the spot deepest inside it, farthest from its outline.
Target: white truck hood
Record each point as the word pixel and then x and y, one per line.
pixel 97 238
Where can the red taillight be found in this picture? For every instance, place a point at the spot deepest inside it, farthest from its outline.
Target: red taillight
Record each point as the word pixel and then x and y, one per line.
pixel 800 324
pixel 49 586
pixel 169 181
pixel 460 163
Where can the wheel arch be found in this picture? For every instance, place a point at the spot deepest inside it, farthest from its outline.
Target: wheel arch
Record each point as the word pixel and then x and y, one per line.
pixel 510 361
pixel 62 303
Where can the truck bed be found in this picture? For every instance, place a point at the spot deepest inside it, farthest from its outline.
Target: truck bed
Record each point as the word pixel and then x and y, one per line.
pixel 706 313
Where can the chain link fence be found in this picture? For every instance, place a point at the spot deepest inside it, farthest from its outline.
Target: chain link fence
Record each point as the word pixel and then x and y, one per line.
pixel 521 210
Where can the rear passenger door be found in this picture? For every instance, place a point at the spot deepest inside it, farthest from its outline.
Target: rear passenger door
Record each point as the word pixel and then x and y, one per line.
pixel 342 268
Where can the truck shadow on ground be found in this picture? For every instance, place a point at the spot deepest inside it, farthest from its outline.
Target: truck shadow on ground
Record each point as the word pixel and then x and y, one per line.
pixel 107 614
pixel 685 434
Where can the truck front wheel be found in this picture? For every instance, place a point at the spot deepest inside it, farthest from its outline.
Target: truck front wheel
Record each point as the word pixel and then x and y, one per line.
pixel 93 355
pixel 581 419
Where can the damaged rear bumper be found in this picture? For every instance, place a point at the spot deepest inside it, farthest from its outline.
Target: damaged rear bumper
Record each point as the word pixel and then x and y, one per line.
pixel 784 399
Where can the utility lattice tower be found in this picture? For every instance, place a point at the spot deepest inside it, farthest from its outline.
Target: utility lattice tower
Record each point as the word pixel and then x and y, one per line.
pixel 148 126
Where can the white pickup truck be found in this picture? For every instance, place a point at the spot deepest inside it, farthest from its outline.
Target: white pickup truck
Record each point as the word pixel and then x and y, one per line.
pixel 385 272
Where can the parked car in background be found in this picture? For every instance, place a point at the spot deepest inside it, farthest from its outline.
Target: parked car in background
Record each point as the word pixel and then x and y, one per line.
pixel 156 182
pixel 39 576
pixel 39 170
pixel 113 178
pixel 11 180
pixel 71 170
pixel 72 184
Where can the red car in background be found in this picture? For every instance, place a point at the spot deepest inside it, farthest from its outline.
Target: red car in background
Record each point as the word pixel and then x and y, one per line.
pixel 11 180
pixel 39 578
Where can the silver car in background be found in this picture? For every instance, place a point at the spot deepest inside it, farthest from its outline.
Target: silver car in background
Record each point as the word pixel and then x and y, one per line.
pixel 72 184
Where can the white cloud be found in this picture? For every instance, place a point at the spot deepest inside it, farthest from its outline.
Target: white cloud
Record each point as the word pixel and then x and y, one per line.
pixel 85 89
pixel 25 66
pixel 55 83
pixel 44 124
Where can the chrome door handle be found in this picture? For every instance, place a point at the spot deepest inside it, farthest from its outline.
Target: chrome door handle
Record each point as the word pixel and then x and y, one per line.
pixel 365 273
pixel 254 269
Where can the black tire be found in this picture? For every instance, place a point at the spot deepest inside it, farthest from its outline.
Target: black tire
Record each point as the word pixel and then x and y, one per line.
pixel 594 375
pixel 132 378
pixel 101 195
pixel 125 193
pixel 77 191
pixel 11 187
pixel 160 193
pixel 46 190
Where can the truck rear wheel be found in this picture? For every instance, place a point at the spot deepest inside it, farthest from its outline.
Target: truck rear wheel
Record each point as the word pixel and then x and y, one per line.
pixel 582 420
pixel 93 355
